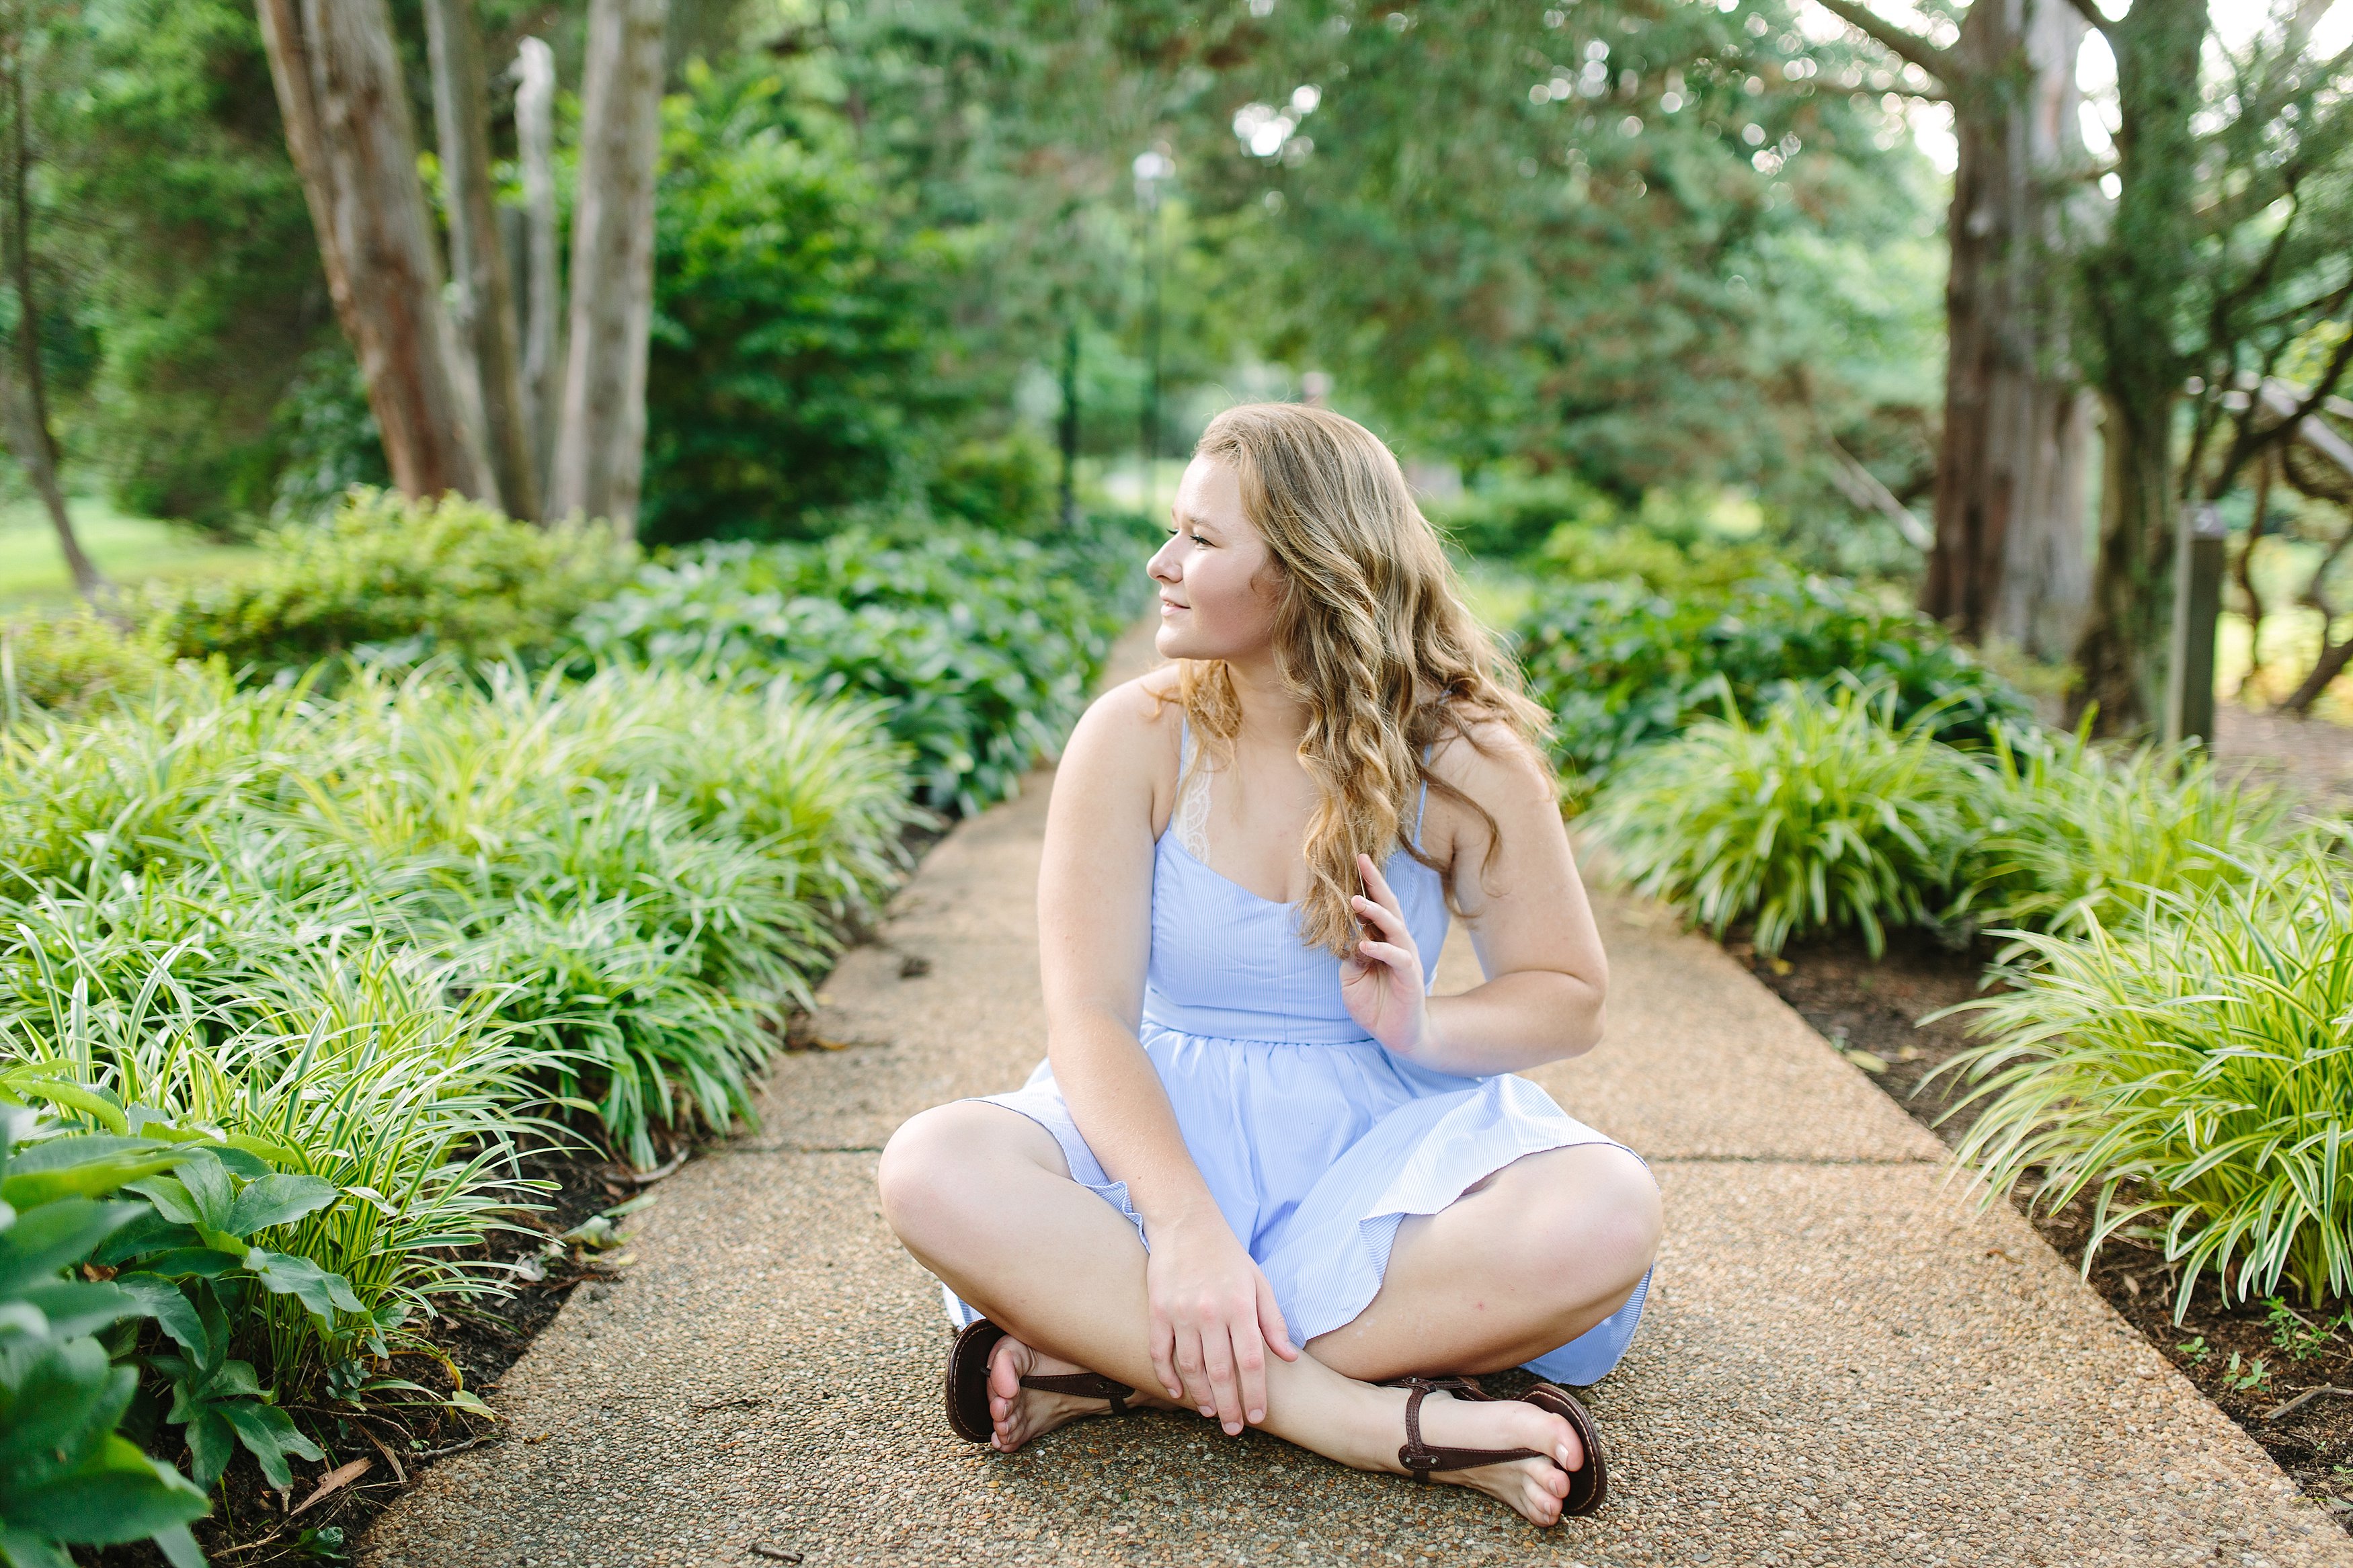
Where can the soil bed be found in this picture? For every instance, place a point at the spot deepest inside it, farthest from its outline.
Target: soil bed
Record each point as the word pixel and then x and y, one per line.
pixel 2253 1361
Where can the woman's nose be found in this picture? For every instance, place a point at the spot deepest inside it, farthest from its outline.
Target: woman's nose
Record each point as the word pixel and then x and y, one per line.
pixel 1163 567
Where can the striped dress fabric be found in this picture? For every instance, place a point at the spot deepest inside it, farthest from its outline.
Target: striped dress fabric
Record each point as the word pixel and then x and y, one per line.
pixel 1314 1139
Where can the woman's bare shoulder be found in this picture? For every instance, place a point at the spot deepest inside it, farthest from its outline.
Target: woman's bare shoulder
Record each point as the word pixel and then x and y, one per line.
pixel 1491 762
pixel 1125 730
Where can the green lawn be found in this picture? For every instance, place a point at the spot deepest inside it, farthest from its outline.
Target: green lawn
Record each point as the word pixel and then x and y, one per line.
pixel 127 549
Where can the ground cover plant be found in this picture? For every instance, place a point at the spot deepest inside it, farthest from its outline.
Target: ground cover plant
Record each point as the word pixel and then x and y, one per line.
pixel 1822 813
pixel 1623 666
pixel 981 647
pixel 2189 1069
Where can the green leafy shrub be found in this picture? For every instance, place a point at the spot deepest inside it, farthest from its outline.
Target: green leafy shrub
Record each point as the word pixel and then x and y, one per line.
pixel 795 359
pixel 2070 834
pixel 1822 814
pixel 2190 1069
pixel 1006 484
pixel 63 664
pixel 394 576
pixel 979 647
pixel 1621 667
pixel 67 1476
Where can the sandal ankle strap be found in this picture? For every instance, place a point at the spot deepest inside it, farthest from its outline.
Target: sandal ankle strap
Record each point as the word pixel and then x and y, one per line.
pixel 1421 1459
pixel 1085 1385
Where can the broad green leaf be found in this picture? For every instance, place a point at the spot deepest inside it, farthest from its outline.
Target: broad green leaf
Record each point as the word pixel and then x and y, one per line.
pixel 212 1443
pixel 118 1494
pixel 268 1434
pixel 47 1239
pixel 32 1183
pixel 23 1548
pixel 75 1309
pixel 197 1262
pixel 208 1187
pixel 61 1402
pixel 316 1288
pixel 166 1302
pixel 179 1547
pixel 277 1200
pixel 171 1198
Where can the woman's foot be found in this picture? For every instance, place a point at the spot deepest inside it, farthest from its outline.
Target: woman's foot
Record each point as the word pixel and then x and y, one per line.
pixel 1021 1414
pixel 1535 1488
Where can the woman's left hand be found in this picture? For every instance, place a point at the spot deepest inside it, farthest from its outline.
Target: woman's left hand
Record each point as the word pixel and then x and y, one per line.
pixel 1381 982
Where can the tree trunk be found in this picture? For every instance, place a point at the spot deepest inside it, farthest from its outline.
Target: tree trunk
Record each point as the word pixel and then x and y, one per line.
pixel 600 444
pixel 24 397
pixel 2009 551
pixel 542 348
pixel 2133 282
pixel 348 129
pixel 484 295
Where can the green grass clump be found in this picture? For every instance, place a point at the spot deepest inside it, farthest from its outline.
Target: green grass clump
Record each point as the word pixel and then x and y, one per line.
pixel 2070 834
pixel 66 663
pixel 1819 816
pixel 2192 1070
pixel 394 578
pixel 979 648
pixel 642 868
pixel 353 1064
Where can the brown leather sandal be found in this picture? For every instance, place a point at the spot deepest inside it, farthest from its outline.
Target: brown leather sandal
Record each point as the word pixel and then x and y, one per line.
pixel 968 1382
pixel 1588 1484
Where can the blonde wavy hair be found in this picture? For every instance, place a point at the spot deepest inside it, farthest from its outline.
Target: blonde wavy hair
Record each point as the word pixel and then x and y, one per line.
pixel 1370 619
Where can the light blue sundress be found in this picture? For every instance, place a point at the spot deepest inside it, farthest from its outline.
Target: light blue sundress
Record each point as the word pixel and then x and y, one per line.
pixel 1315 1140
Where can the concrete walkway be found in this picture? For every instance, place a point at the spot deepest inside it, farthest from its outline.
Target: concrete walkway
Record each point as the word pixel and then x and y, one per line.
pixel 1842 1361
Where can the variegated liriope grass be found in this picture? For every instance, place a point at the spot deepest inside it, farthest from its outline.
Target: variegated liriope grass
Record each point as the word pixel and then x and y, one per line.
pixel 2192 1070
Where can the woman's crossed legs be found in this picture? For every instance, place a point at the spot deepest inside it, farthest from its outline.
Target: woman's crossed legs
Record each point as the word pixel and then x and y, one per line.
pixel 1523 1263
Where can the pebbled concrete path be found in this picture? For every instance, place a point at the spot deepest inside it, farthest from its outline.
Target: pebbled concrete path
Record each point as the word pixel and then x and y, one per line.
pixel 1843 1363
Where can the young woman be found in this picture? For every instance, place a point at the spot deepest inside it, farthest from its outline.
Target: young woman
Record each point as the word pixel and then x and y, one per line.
pixel 1263 1175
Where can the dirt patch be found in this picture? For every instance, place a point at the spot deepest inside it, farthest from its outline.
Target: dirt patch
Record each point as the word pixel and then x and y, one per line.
pixel 2259 1361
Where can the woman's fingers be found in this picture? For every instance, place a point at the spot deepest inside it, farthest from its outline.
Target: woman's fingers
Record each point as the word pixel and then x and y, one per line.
pixel 1391 921
pixel 1396 957
pixel 1192 1367
pixel 1164 1357
pixel 1225 1384
pixel 1379 886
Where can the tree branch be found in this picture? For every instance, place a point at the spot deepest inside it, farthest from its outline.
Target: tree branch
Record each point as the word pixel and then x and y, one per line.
pixel 1908 46
pixel 2092 13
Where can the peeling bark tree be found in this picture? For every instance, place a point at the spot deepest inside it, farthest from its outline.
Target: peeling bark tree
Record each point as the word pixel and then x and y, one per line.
pixel 601 441
pixel 484 295
pixel 2009 552
pixel 348 128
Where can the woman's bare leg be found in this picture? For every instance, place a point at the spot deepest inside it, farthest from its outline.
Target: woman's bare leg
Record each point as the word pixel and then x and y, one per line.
pixel 1522 1264
pixel 981 1196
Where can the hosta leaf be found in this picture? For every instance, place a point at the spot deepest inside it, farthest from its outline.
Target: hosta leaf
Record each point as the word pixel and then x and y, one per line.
pixel 118 1494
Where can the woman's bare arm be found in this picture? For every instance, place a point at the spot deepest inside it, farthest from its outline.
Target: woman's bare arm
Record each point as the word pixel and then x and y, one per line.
pixel 1213 1314
pixel 1529 922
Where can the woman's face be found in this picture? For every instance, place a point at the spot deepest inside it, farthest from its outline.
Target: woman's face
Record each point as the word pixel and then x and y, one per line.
pixel 1218 587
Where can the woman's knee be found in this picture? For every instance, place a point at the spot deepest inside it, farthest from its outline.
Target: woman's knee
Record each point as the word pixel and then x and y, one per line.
pixel 926 1170
pixel 1602 1226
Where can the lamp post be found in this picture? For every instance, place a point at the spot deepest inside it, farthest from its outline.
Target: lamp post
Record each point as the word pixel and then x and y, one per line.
pixel 1152 167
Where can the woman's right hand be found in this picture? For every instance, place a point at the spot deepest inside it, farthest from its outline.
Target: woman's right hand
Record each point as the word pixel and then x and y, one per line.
pixel 1213 1319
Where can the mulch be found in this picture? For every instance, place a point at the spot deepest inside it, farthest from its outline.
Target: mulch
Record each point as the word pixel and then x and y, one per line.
pixel 2257 1362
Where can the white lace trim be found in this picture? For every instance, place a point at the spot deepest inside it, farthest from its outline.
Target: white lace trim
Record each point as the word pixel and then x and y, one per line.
pixel 1191 820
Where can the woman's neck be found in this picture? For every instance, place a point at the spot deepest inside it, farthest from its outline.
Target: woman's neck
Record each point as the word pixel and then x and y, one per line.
pixel 1271 714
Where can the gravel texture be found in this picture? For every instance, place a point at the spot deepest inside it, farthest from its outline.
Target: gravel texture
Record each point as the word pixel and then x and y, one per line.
pixel 1846 1359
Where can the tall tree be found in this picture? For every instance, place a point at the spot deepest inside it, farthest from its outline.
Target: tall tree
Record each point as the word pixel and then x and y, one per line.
pixel 484 296
pixel 24 388
pixel 2228 249
pixel 339 87
pixel 543 341
pixel 600 444
pixel 2009 555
